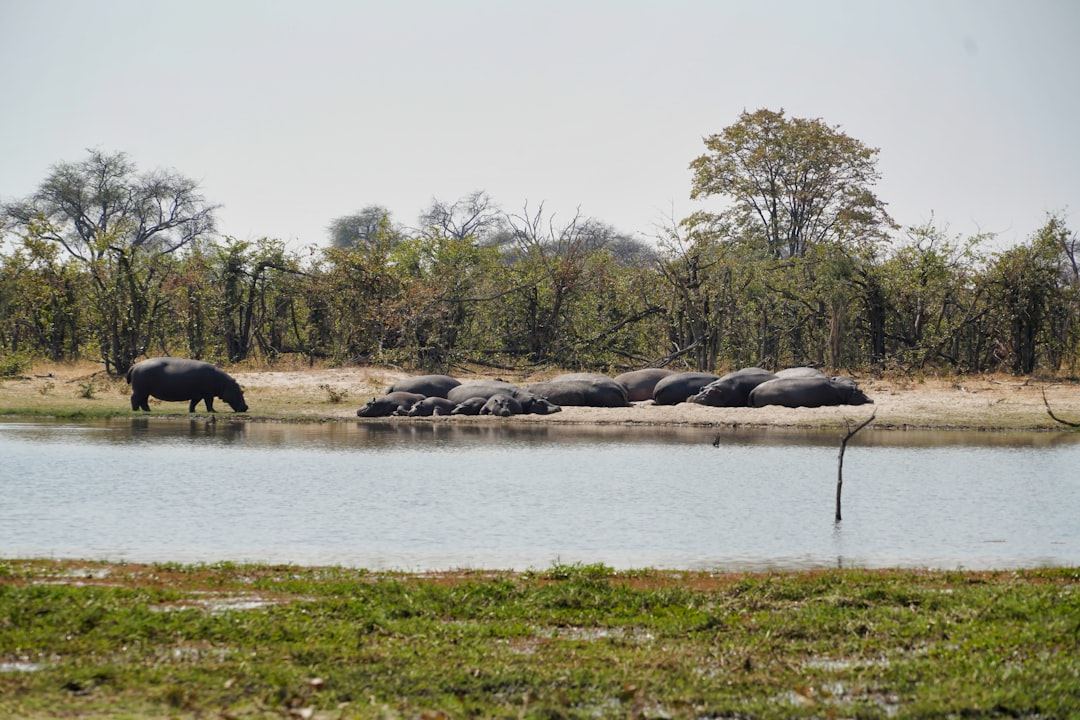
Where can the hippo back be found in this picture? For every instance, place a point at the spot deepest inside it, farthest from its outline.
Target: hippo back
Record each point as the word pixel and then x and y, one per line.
pixel 733 389
pixel 641 383
pixel 594 391
pixel 426 385
pixel 677 387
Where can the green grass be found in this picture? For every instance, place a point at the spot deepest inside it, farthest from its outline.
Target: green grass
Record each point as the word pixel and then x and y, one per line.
pixel 578 641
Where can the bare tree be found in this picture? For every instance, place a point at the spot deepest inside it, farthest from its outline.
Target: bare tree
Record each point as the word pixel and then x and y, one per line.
pixel 474 216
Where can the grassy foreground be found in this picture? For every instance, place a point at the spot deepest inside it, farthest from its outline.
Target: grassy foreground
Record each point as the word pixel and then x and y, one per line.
pixel 97 640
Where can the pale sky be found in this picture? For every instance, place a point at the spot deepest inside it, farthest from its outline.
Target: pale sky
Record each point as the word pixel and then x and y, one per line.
pixel 291 113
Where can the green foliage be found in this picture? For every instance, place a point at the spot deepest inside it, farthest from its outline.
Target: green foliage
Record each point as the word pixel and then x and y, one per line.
pixel 14 364
pixel 793 272
pixel 573 641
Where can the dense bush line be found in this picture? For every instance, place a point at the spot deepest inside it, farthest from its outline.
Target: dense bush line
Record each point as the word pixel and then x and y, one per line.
pixel 432 301
pixel 803 267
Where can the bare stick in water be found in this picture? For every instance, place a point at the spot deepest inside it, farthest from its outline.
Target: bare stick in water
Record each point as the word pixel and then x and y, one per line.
pixel 840 462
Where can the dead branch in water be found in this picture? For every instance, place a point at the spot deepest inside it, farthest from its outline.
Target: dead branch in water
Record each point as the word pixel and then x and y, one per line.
pixel 840 460
pixel 1051 412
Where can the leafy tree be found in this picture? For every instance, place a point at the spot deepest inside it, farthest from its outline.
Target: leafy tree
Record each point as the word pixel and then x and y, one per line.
pixel 122 226
pixel 791 183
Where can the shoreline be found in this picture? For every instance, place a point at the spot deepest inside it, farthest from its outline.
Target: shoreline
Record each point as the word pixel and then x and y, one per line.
pixel 970 403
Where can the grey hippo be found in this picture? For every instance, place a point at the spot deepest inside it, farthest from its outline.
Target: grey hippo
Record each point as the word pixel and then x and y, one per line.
pixel 583 390
pixel 471 406
pixel 426 385
pixel 392 403
pixel 733 389
pixel 678 387
pixel 640 383
pixel 176 379
pixel 795 392
pixel 800 372
pixel 432 406
pixel 501 405
pixel 530 403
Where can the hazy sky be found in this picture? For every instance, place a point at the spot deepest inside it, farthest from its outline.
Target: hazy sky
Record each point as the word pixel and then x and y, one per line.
pixel 293 113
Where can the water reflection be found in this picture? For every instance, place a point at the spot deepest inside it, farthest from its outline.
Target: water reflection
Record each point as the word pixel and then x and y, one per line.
pixel 419 495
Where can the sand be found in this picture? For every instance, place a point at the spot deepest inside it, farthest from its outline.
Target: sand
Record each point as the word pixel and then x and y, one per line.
pixel 310 394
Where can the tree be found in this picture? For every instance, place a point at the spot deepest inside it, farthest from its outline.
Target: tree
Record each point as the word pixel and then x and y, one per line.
pixel 792 183
pixel 363 228
pixel 122 226
pixel 474 217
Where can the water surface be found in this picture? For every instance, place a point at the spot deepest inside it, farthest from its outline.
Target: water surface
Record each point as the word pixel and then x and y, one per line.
pixel 420 495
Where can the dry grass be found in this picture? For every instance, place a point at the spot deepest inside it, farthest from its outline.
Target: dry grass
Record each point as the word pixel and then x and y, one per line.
pixel 297 392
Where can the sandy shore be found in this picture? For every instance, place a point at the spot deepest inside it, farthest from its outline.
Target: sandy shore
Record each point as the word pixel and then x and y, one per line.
pixel 984 403
pixel 981 403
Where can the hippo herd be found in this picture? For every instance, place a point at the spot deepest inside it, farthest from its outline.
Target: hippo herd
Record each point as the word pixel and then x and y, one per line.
pixel 427 395
pixel 177 379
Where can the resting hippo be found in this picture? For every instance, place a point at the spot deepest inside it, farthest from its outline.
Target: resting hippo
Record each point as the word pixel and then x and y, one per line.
pixel 530 403
pixel 426 385
pixel 800 372
pixel 677 387
pixel 582 390
pixel 807 392
pixel 640 383
pixel 432 406
pixel 733 389
pixel 472 406
pixel 501 405
pixel 175 379
pixel 394 403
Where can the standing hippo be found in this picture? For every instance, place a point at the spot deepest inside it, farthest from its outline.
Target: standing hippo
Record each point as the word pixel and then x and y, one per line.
pixel 176 379
pixel 795 392
pixel 394 403
pixel 677 387
pixel 640 383
pixel 582 390
pixel 733 389
pixel 426 385
pixel 432 406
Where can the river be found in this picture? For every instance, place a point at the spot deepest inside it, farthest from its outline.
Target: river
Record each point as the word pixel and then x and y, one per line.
pixel 441 495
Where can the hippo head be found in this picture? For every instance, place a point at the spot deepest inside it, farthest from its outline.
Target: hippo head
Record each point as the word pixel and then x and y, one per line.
pixel 537 405
pixel 501 406
pixel 234 397
pixel 710 395
pixel 377 407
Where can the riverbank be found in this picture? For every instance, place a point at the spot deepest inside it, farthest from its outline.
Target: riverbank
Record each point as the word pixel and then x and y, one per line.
pixel 111 641
pixel 286 393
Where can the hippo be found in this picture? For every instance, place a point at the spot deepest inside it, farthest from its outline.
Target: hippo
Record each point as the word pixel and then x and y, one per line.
pixel 471 406
pixel 677 387
pixel 426 385
pixel 530 403
pixel 582 389
pixel 640 383
pixel 432 406
pixel 733 389
pixel 797 392
pixel 394 403
pixel 175 379
pixel 800 372
pixel 481 388
pixel 501 405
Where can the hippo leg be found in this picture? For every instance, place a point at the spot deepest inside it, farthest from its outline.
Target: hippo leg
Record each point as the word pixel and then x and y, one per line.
pixel 209 400
pixel 140 402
